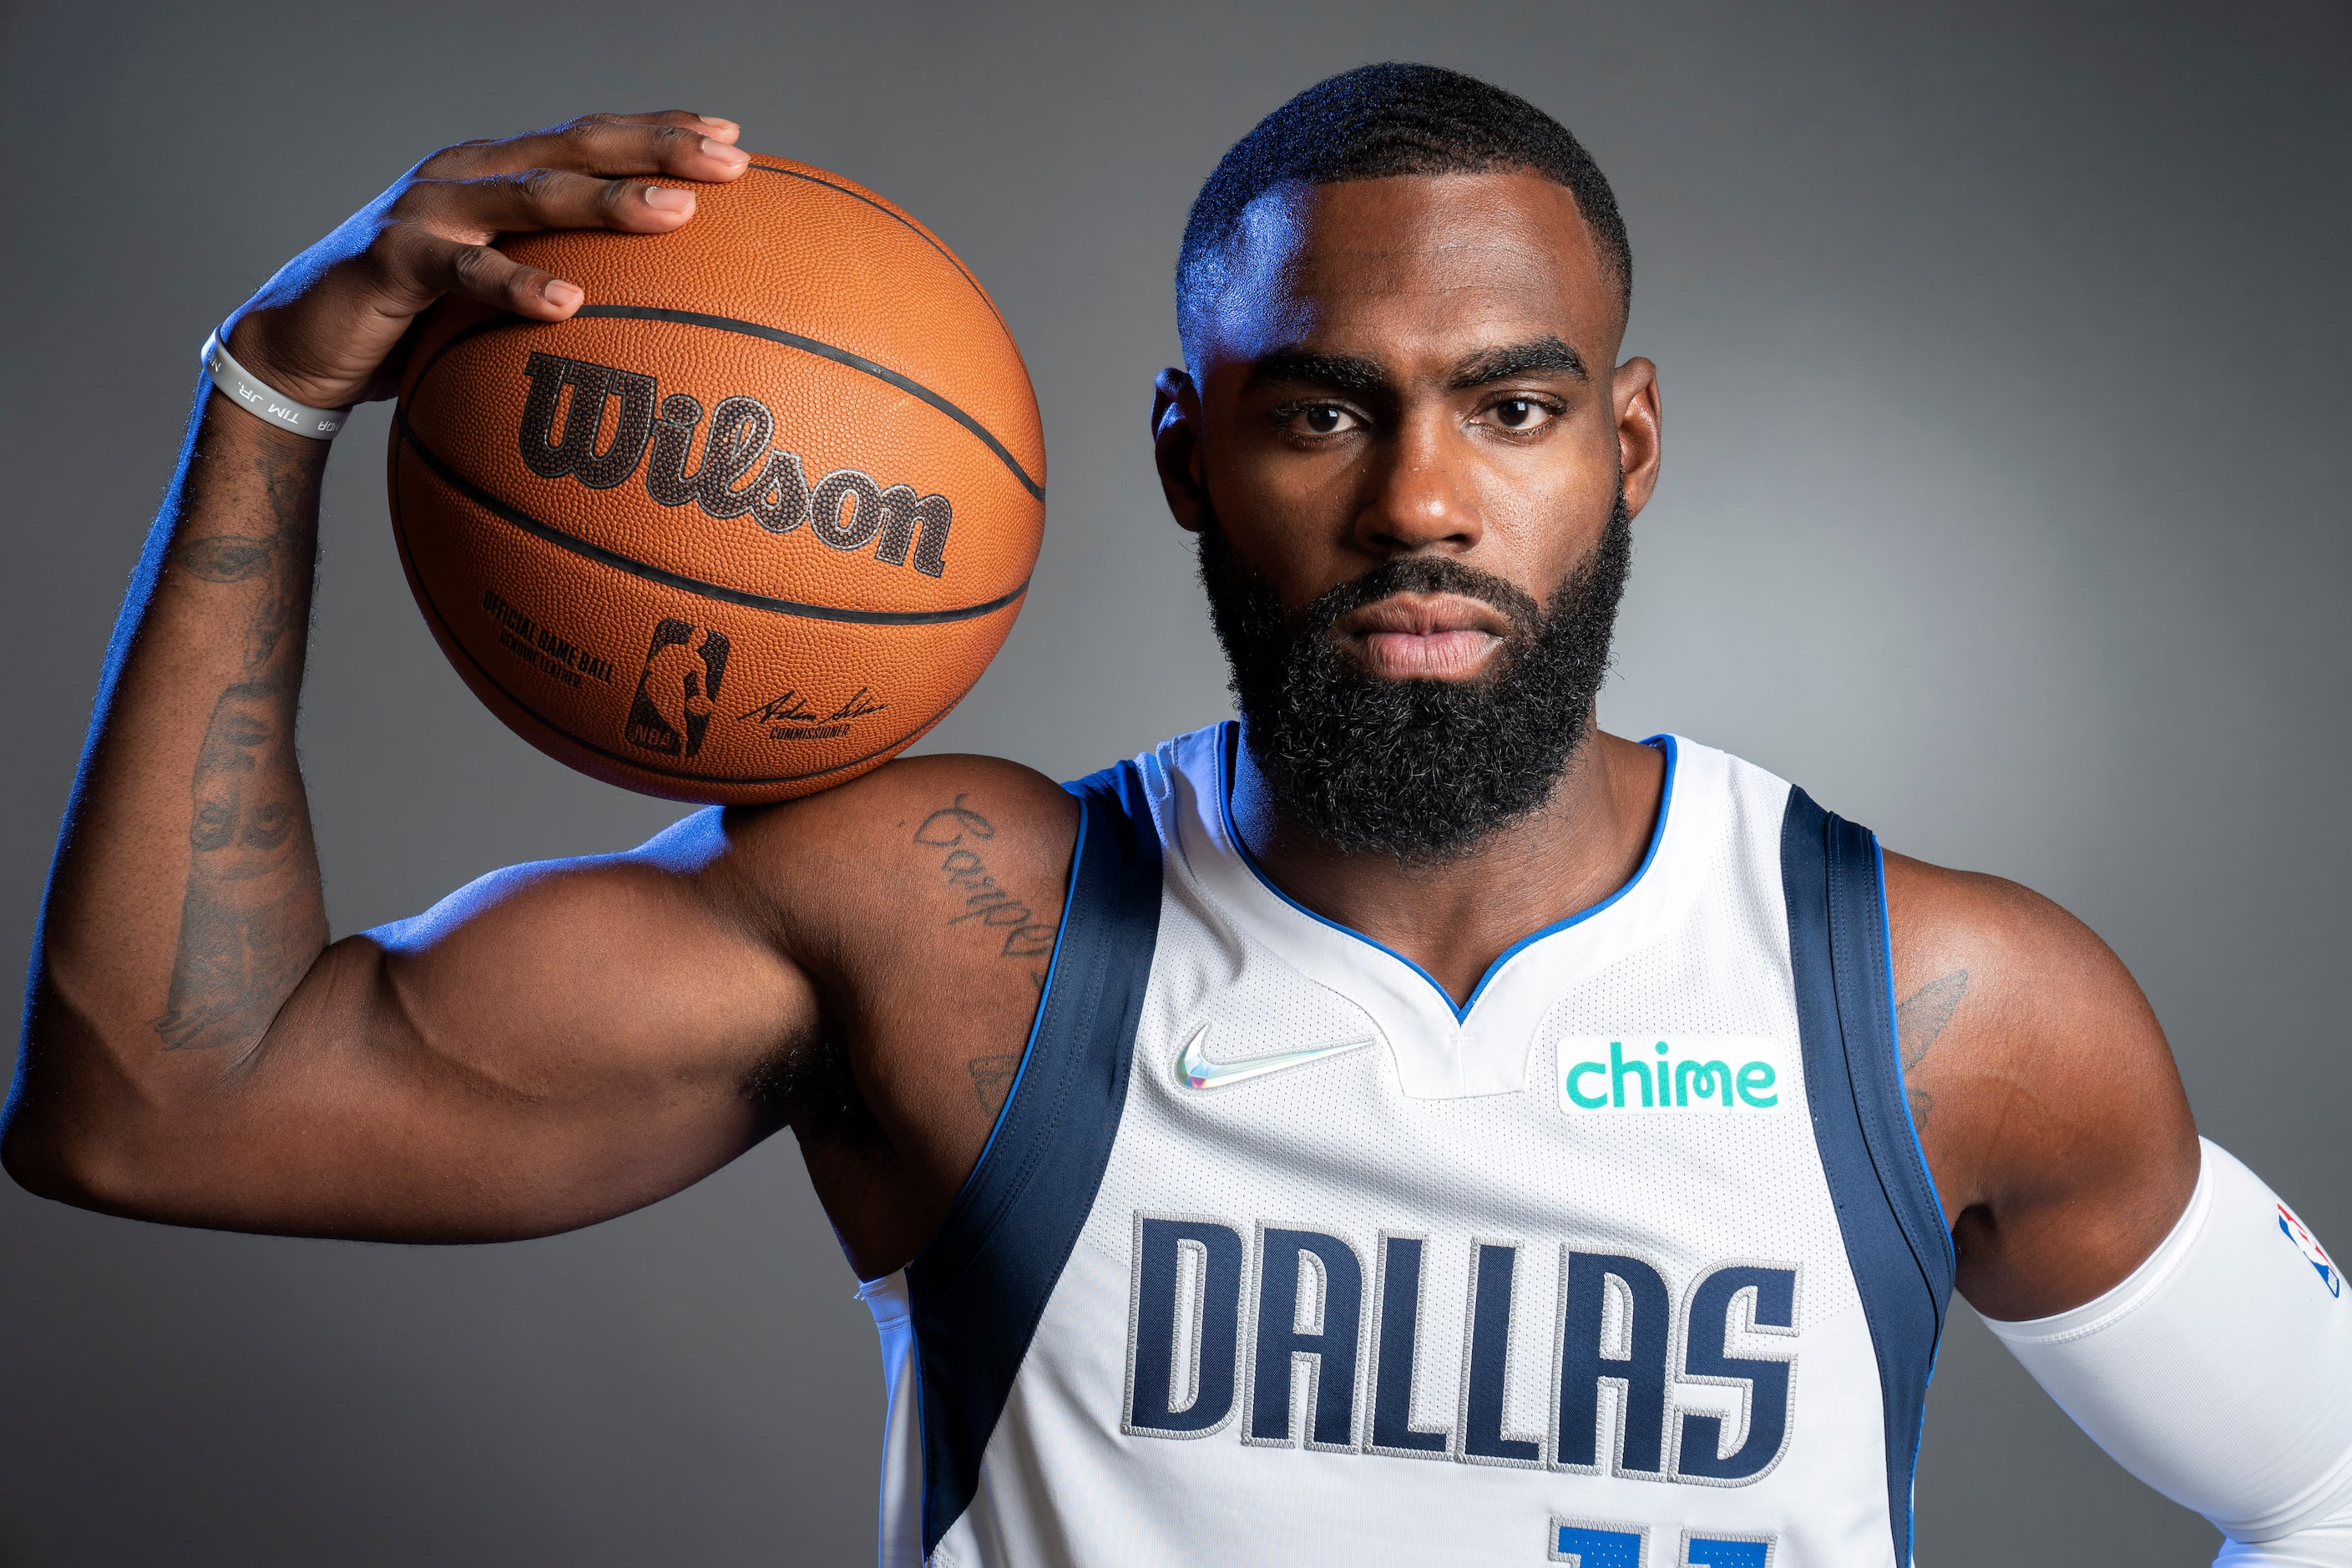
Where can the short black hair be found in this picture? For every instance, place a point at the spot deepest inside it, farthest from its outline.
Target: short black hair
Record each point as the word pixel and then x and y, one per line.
pixel 1377 121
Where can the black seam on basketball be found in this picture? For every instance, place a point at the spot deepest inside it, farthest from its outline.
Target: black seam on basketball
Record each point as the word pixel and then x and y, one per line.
pixel 912 228
pixel 464 334
pixel 433 607
pixel 728 323
pixel 599 554
pixel 823 349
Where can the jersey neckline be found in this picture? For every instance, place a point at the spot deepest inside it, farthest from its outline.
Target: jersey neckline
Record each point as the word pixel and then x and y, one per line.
pixel 1228 758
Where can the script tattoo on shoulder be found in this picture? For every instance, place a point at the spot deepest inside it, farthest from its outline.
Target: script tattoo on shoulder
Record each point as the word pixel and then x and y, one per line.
pixel 1917 1022
pixel 959 831
pixel 960 836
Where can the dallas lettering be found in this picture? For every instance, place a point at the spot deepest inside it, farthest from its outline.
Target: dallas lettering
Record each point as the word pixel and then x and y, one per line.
pixel 1196 1357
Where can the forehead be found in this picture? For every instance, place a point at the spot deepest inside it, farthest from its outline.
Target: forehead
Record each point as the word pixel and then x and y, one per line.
pixel 1411 266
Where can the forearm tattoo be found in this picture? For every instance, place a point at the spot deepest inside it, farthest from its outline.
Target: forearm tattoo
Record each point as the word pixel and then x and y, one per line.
pixel 251 920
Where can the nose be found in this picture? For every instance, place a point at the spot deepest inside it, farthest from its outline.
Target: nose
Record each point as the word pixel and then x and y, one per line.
pixel 1417 501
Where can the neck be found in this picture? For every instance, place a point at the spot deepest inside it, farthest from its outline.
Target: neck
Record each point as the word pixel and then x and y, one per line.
pixel 1456 917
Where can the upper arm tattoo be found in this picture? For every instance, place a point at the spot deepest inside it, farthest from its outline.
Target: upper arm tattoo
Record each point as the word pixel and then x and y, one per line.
pixel 1917 1022
pixel 961 835
pixel 960 831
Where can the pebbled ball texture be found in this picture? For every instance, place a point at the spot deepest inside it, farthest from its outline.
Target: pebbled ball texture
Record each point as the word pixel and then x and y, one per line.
pixel 749 522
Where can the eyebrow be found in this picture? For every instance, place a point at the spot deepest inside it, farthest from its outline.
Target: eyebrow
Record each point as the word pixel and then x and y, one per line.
pixel 1367 378
pixel 1546 352
pixel 1341 373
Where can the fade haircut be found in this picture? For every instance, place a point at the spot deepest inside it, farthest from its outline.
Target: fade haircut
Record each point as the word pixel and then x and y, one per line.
pixel 1379 121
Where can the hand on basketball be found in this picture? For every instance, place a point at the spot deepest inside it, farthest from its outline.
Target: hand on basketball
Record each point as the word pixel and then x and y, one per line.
pixel 325 329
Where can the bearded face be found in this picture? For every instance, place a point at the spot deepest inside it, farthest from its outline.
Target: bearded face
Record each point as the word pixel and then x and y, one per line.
pixel 1422 770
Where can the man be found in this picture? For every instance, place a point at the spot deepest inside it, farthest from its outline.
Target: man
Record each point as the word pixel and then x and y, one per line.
pixel 1434 1129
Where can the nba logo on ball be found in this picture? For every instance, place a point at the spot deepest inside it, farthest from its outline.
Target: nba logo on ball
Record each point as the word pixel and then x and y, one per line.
pixel 671 712
pixel 2313 1253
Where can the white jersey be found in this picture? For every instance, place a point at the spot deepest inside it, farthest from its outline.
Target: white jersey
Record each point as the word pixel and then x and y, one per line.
pixel 1276 1256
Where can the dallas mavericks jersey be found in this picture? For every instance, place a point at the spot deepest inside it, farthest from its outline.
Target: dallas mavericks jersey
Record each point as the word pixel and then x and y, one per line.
pixel 1276 1256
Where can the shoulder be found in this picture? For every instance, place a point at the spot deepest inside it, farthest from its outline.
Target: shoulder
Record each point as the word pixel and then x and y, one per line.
pixel 2002 935
pixel 2024 983
pixel 903 835
pixel 2043 1088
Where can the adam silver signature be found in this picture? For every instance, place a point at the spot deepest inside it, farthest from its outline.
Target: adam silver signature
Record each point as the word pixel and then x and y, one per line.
pixel 1195 1070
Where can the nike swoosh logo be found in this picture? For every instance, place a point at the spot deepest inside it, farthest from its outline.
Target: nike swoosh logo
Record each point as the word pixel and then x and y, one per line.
pixel 1195 1070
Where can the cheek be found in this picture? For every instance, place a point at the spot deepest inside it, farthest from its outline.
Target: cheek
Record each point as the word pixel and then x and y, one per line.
pixel 1289 521
pixel 1265 481
pixel 1543 509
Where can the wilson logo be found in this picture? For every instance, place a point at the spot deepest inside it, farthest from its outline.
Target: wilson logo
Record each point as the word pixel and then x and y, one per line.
pixel 738 473
pixel 1743 1073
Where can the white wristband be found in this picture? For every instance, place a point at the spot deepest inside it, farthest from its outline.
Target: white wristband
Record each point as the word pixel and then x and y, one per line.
pixel 259 397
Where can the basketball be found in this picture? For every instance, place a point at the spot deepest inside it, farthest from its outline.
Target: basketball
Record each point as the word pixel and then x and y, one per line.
pixel 751 521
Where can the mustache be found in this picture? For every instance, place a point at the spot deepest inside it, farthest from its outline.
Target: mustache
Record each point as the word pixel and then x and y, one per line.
pixel 1423 574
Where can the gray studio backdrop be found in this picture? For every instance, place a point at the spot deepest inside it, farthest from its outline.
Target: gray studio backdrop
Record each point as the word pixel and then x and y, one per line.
pixel 2004 357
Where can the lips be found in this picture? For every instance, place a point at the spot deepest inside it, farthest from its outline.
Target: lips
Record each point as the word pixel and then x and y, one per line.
pixel 1424 636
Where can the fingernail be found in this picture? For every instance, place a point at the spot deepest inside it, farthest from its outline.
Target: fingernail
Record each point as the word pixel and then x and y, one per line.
pixel 664 198
pixel 729 126
pixel 723 153
pixel 561 294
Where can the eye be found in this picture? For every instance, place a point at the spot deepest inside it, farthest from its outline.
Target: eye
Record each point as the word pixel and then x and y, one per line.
pixel 1519 413
pixel 1321 419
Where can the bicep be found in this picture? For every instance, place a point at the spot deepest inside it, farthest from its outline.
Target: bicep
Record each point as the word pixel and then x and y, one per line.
pixel 548 1046
pixel 2048 1104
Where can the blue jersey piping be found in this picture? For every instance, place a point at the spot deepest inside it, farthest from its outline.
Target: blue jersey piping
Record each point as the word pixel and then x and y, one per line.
pixel 1951 1253
pixel 1229 744
pixel 979 1287
pixel 1029 1047
pixel 1895 1036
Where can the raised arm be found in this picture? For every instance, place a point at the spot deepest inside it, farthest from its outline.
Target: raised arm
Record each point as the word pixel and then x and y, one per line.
pixel 554 1044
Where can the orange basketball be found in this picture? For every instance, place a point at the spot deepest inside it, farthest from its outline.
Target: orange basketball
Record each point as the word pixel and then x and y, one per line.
pixel 751 521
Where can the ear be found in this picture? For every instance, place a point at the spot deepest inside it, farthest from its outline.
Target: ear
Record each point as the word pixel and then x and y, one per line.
pixel 1176 447
pixel 1639 443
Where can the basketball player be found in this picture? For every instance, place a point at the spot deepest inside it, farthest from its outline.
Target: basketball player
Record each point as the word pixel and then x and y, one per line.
pixel 1409 1126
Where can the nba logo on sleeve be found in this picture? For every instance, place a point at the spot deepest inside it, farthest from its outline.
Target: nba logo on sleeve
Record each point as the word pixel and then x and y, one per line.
pixel 2313 1253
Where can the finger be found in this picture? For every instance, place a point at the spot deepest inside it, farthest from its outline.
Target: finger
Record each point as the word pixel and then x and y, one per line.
pixel 440 265
pixel 472 211
pixel 716 127
pixel 684 148
pixel 711 125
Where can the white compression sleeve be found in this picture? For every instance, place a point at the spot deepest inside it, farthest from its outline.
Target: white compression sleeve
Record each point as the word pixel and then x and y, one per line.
pixel 2220 1373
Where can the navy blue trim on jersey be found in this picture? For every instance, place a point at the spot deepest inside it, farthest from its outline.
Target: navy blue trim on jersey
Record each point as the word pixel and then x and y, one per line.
pixel 980 1286
pixel 1896 1240
pixel 1229 743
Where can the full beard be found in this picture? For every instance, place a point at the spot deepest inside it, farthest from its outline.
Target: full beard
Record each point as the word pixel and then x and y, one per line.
pixel 1422 771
